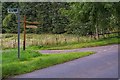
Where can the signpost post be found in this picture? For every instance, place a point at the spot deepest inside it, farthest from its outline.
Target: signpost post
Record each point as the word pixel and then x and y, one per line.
pixel 17 12
pixel 24 42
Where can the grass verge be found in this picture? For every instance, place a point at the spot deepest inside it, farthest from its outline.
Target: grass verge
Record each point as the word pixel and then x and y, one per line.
pixel 93 43
pixel 31 61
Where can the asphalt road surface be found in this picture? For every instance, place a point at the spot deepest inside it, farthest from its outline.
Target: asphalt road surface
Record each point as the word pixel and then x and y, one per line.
pixel 103 64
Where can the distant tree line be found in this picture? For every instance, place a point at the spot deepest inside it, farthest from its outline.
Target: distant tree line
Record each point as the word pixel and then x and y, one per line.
pixel 79 18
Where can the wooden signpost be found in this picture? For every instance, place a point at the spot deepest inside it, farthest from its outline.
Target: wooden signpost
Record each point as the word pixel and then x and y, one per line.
pixel 27 26
pixel 24 32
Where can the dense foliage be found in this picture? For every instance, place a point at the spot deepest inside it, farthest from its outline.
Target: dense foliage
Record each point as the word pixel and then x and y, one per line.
pixel 74 18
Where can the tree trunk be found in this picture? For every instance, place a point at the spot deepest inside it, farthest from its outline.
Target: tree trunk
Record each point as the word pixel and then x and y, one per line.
pixel 96 32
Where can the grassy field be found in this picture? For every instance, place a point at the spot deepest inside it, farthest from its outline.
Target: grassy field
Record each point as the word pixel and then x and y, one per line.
pixel 10 40
pixel 101 42
pixel 31 60
pixel 92 43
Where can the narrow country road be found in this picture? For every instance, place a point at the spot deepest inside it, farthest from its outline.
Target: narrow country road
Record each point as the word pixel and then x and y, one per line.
pixel 103 64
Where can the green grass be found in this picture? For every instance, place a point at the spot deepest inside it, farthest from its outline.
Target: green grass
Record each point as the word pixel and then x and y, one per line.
pixel 31 61
pixel 93 43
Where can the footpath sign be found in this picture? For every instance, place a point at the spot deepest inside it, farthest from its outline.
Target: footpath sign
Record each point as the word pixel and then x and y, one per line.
pixel 17 12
